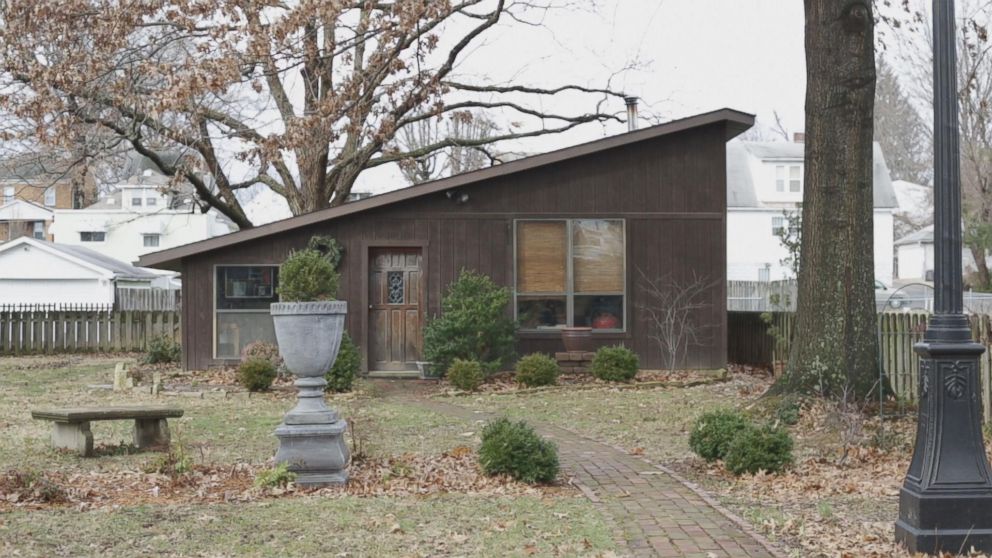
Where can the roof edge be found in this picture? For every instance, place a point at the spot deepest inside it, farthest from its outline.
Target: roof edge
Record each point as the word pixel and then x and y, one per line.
pixel 737 122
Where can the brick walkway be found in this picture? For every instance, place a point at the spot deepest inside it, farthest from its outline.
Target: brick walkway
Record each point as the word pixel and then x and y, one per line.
pixel 653 511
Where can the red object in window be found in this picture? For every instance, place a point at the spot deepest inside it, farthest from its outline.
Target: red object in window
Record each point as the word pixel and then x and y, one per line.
pixel 606 321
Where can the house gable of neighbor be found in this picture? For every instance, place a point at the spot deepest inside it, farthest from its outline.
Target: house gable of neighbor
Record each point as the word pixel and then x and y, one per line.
pixel 665 184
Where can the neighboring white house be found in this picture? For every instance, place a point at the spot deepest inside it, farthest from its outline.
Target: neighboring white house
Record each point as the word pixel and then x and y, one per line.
pixel 136 219
pixel 35 271
pixel 764 183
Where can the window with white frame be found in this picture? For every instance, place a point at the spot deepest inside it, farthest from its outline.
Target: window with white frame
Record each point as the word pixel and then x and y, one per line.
pixel 39 230
pixel 151 202
pixel 8 194
pixel 136 201
pixel 778 225
pixel 92 236
pixel 789 178
pixel 242 297
pixel 150 240
pixel 50 196
pixel 570 273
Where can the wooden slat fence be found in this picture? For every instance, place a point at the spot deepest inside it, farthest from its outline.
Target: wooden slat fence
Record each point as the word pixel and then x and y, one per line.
pixel 34 329
pixel 750 342
pixel 761 296
pixel 160 300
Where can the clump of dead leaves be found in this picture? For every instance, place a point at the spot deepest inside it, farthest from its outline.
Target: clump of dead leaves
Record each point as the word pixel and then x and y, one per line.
pixel 840 497
pixel 456 471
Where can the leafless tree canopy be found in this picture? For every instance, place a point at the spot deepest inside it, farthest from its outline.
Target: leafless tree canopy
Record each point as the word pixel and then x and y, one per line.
pixel 299 96
pixel 467 132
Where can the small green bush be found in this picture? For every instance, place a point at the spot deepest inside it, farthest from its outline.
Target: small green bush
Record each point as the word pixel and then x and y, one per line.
pixel 759 449
pixel 345 368
pixel 615 364
pixel 513 448
pixel 163 349
pixel 277 477
pixel 306 276
pixel 537 370
pixel 256 374
pixel 261 349
pixel 713 433
pixel 473 325
pixel 789 410
pixel 465 375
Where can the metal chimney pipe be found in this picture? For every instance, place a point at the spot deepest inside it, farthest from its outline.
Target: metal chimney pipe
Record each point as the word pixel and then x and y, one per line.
pixel 631 113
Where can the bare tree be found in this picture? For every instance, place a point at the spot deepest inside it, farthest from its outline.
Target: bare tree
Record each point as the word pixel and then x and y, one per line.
pixel 672 307
pixel 467 153
pixel 300 97
pixel 900 130
pixel 974 72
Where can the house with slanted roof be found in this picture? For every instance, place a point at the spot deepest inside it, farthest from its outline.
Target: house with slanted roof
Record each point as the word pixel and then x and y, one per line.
pixel 765 191
pixel 573 234
pixel 35 271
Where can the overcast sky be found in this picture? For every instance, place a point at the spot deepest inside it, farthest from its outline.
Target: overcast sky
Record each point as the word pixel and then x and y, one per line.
pixel 694 56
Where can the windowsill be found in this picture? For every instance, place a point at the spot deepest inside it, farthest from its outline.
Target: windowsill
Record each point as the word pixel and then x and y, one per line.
pixel 556 334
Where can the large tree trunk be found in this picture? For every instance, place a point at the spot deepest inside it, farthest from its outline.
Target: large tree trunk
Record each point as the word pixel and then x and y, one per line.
pixel 835 348
pixel 982 275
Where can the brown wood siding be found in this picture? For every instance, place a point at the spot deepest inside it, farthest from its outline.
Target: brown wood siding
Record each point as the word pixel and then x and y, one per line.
pixel 670 191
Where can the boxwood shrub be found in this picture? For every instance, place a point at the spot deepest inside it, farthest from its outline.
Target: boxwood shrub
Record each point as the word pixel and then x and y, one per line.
pixel 759 449
pixel 714 431
pixel 615 364
pixel 537 369
pixel 514 449
pixel 256 373
pixel 465 375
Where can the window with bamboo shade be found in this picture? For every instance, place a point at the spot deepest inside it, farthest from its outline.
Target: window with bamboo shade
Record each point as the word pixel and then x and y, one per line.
pixel 541 250
pixel 570 273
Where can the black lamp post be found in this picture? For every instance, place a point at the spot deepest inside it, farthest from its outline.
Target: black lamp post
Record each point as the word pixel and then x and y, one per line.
pixel 946 500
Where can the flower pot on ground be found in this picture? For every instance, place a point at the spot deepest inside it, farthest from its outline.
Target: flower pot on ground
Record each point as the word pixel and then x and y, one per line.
pixel 309 325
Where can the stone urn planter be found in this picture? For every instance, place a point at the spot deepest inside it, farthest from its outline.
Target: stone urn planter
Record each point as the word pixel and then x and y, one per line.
pixel 311 436
pixel 577 339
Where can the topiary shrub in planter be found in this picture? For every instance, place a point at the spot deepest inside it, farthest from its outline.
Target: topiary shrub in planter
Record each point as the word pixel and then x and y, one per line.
pixel 465 375
pixel 346 367
pixel 713 432
pixel 309 325
pixel 473 325
pixel 163 349
pixel 514 449
pixel 537 370
pixel 759 449
pixel 256 373
pixel 307 276
pixel 615 364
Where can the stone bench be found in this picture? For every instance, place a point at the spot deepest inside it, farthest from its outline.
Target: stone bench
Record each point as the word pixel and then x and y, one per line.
pixel 71 427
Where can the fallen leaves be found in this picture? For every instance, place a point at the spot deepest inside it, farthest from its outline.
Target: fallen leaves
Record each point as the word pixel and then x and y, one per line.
pixel 456 471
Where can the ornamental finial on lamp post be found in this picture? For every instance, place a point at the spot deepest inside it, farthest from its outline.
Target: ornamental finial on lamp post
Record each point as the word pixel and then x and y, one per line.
pixel 946 500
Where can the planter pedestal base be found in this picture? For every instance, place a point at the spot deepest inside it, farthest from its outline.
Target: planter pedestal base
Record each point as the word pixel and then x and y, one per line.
pixel 317 453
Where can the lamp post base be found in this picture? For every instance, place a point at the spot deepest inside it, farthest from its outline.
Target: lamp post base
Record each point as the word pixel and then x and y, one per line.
pixel 945 504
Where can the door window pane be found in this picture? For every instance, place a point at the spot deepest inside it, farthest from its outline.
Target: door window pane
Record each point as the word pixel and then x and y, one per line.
pixel 597 256
pixel 541 252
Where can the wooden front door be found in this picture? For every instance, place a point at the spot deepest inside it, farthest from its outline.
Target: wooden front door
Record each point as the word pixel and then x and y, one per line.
pixel 395 309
